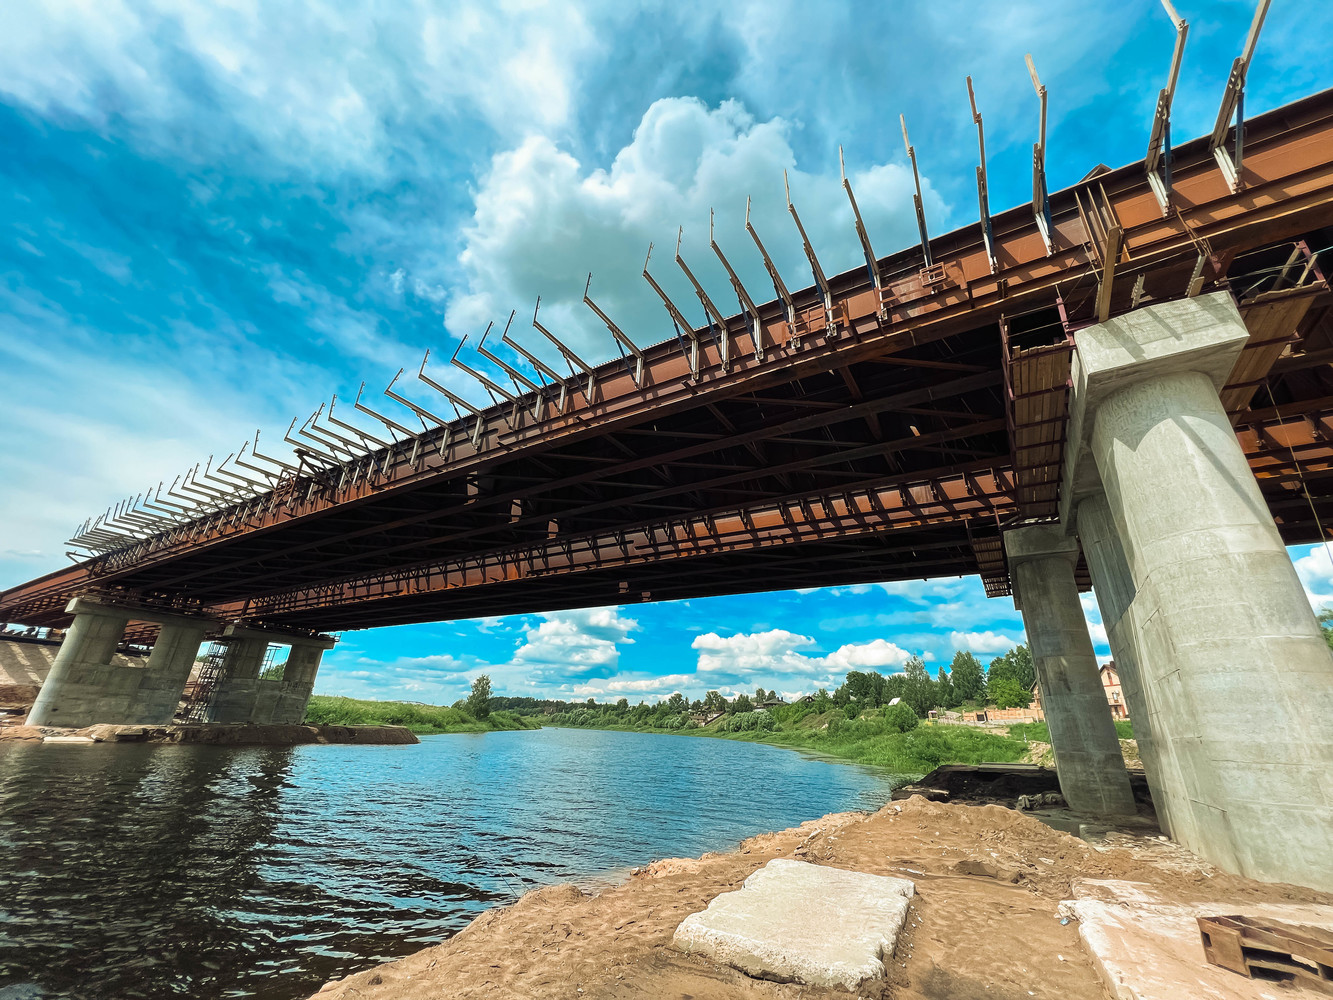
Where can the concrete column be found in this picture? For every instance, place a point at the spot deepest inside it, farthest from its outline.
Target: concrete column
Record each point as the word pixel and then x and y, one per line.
pixel 298 681
pixel 1114 589
pixel 83 687
pixel 163 680
pixel 1087 752
pixel 1238 677
pixel 243 696
pixel 233 700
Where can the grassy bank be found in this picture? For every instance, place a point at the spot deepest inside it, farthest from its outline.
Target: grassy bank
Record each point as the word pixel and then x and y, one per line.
pixel 871 739
pixel 423 720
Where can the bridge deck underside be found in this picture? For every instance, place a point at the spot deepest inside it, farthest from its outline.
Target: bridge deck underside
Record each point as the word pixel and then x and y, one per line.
pixel 893 449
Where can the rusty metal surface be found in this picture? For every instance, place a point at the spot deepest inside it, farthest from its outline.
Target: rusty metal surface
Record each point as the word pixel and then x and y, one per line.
pixel 905 423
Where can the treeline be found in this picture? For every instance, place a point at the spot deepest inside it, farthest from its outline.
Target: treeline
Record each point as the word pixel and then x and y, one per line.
pixel 1006 683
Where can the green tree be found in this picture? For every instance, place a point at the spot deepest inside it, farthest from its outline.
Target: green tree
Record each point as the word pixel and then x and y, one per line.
pixel 920 688
pixel 622 706
pixel 968 681
pixel 900 717
pixel 742 704
pixel 822 701
pixel 944 690
pixel 1008 693
pixel 1020 658
pixel 677 703
pixel 1326 625
pixel 714 703
pixel 479 701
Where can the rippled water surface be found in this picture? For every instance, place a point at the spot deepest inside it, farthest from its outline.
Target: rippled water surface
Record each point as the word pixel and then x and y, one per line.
pixel 155 871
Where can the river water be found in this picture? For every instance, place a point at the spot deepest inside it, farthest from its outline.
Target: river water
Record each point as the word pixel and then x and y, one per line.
pixel 133 871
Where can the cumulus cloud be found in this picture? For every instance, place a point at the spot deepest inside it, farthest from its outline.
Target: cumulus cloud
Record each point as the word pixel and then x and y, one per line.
pixel 986 643
pixel 544 219
pixel 878 654
pixel 1315 569
pixel 779 652
pixel 581 643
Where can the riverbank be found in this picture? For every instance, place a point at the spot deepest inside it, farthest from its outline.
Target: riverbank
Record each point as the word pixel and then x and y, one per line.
pixel 985 921
pixel 872 741
pixel 215 734
pixel 424 720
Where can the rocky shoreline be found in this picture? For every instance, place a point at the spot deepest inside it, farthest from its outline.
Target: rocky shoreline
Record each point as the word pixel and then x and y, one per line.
pixel 215 734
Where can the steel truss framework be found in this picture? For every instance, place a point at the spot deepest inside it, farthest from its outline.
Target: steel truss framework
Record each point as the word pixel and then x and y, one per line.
pixel 884 425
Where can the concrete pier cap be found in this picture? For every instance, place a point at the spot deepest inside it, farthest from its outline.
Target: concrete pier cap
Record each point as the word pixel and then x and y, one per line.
pixel 1204 334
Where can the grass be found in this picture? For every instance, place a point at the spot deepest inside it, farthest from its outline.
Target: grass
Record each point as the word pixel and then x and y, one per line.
pixel 916 752
pixel 1041 733
pixel 420 719
pixel 867 740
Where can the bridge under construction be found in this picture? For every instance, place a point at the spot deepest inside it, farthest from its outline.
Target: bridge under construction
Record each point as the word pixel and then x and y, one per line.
pixel 1126 384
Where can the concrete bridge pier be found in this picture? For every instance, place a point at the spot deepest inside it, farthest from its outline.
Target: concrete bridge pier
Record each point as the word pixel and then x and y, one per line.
pixel 1236 678
pixel 298 679
pixel 243 696
pixel 167 672
pixel 237 690
pixel 1114 590
pixel 1091 768
pixel 84 686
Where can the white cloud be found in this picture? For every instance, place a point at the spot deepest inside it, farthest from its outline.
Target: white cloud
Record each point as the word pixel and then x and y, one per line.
pixel 878 654
pixel 578 643
pixel 986 643
pixel 318 86
pixel 778 652
pixel 774 651
pixel 544 219
pixel 1316 572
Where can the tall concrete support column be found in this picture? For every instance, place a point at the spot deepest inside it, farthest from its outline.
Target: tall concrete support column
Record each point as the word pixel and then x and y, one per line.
pixel 1238 678
pixel 164 678
pixel 238 686
pixel 1087 752
pixel 83 688
pixel 298 680
pixel 1114 589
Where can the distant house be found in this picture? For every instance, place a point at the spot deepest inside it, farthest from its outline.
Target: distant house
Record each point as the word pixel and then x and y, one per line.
pixel 1115 696
pixel 773 702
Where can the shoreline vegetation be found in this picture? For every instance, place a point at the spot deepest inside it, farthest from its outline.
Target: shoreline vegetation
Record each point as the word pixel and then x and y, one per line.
pixel 423 720
pixel 870 719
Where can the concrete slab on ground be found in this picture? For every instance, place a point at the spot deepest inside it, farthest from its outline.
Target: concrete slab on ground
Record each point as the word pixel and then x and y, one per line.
pixel 797 922
pixel 1148 949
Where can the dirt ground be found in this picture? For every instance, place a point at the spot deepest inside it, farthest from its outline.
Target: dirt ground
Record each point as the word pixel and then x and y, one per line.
pixel 982 925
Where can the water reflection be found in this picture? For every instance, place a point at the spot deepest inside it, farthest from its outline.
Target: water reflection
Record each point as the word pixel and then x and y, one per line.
pixel 133 871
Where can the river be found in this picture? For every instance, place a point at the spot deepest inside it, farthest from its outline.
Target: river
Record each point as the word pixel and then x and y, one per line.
pixel 134 871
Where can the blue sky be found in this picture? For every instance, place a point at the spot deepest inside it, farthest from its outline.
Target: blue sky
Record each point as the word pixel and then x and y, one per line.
pixel 214 216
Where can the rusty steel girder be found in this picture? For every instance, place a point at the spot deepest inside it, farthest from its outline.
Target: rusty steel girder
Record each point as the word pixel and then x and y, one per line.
pixel 914 320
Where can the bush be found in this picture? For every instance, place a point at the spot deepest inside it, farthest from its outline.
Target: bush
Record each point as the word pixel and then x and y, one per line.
pixel 748 722
pixel 901 718
pixel 1008 693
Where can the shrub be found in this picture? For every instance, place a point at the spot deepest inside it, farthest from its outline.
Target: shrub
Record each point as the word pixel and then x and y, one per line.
pixel 901 718
pixel 1008 693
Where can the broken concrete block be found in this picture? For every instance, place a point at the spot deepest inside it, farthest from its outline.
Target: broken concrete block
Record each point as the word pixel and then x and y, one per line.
pixel 797 922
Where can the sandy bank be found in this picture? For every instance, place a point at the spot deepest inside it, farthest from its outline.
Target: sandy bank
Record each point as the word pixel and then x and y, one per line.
pixel 984 922
pixel 216 734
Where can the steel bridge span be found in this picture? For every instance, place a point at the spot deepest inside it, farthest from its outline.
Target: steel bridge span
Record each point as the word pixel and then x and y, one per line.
pixel 1055 396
